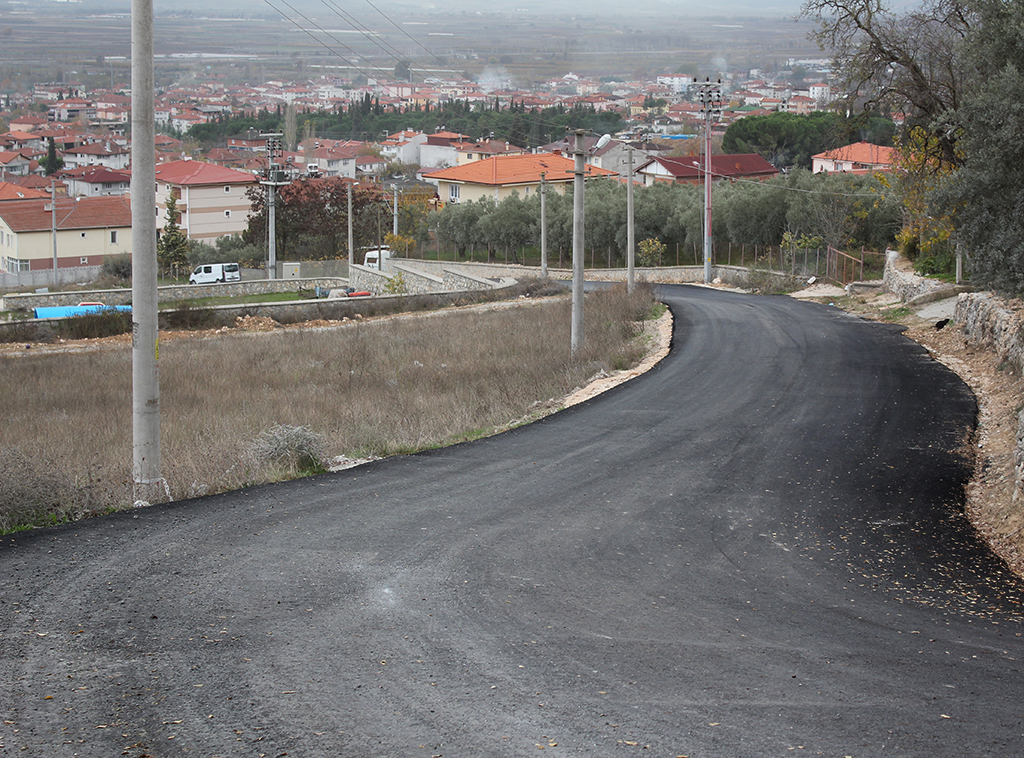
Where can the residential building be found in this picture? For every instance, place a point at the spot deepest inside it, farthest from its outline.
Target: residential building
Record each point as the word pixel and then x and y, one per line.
pixel 87 230
pixel 105 153
pixel 500 176
pixel 858 158
pixel 690 170
pixel 211 199
pixel 95 181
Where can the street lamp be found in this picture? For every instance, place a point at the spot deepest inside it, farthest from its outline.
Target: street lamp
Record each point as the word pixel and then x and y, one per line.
pixel 710 98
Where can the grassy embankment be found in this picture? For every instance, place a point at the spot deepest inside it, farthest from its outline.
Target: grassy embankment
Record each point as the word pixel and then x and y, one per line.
pixel 241 409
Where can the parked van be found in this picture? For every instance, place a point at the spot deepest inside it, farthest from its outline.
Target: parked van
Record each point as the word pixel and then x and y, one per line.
pixel 209 273
pixel 375 258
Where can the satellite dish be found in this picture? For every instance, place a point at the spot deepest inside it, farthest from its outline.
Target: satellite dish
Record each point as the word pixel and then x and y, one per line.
pixel 603 141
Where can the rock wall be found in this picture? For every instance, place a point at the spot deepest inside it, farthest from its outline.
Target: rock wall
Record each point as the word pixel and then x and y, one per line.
pixel 996 325
pixel 900 279
pixel 170 294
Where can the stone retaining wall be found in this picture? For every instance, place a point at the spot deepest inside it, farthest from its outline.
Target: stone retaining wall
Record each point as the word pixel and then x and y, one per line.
pixel 169 294
pixel 900 279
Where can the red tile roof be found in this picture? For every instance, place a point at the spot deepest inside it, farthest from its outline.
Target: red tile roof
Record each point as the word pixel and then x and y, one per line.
pixel 198 173
pixel 722 166
pixel 860 152
pixel 9 191
pixel 515 169
pixel 83 213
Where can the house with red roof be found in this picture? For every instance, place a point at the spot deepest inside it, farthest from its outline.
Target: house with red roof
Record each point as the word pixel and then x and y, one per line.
pixel 212 199
pixel 88 230
pixel 27 123
pixel 500 176
pixel 467 152
pixel 690 169
pixel 858 158
pixel 105 153
pixel 95 181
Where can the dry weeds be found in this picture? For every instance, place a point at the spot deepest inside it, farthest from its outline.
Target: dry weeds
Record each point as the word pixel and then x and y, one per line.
pixel 365 387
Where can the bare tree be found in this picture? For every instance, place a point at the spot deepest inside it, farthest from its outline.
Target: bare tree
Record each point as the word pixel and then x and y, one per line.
pixel 910 62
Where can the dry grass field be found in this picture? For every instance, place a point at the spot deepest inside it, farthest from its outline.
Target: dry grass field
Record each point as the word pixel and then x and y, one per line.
pixel 245 408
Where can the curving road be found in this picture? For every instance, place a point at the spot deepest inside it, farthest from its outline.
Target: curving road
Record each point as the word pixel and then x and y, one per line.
pixel 756 549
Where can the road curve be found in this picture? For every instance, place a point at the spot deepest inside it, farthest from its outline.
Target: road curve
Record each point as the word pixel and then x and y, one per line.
pixel 756 549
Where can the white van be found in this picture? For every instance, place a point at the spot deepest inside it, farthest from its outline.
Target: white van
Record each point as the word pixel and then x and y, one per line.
pixel 375 258
pixel 209 273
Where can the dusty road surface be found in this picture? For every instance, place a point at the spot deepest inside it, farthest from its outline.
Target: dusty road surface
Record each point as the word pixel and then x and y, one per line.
pixel 758 548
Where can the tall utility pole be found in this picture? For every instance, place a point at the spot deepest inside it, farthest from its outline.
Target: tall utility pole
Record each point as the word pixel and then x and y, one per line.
pixel 351 250
pixel 147 482
pixel 394 223
pixel 273 180
pixel 543 229
pixel 53 226
pixel 576 333
pixel 710 105
pixel 630 227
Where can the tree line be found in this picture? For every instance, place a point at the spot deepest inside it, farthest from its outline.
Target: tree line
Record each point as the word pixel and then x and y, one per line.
pixel 955 69
pixel 367 119
pixel 838 209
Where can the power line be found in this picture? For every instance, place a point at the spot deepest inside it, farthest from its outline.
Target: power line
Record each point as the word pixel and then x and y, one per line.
pixel 325 32
pixel 414 40
pixel 370 37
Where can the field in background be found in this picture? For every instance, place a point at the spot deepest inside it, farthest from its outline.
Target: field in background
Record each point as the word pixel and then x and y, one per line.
pixel 242 409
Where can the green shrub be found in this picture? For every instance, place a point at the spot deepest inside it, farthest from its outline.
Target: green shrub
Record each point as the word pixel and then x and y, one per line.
pixel 117 267
pixel 187 316
pixel 104 323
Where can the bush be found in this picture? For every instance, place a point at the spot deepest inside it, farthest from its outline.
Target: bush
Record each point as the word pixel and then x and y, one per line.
pixel 105 323
pixel 187 316
pixel 34 492
pixel 117 267
pixel 296 450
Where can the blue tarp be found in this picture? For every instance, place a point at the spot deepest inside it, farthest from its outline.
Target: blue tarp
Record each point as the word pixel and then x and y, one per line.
pixel 66 311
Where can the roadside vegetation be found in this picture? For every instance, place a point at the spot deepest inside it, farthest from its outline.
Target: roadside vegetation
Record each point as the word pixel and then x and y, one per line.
pixel 243 409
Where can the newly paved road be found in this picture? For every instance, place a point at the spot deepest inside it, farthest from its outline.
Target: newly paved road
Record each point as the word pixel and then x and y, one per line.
pixel 757 549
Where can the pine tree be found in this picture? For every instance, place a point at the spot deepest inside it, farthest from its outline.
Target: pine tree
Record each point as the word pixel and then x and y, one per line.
pixel 172 247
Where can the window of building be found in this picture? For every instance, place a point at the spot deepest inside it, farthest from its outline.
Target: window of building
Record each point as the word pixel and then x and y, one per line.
pixel 453 193
pixel 113 237
pixel 83 261
pixel 227 189
pixel 83 235
pixel 227 214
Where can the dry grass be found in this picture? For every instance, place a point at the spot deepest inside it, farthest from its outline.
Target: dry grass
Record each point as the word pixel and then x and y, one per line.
pixel 372 388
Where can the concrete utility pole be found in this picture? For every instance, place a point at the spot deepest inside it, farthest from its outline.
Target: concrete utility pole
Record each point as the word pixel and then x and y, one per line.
pixel 148 484
pixel 351 250
pixel 630 228
pixel 710 105
pixel 53 226
pixel 394 223
pixel 576 333
pixel 543 229
pixel 273 180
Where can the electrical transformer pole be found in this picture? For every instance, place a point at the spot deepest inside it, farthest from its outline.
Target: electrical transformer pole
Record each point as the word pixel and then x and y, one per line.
pixel 710 105
pixel 274 150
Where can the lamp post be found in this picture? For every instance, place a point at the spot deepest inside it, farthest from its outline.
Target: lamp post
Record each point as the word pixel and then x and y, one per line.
pixel 710 97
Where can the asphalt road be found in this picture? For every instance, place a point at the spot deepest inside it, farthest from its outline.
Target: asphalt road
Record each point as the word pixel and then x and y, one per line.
pixel 756 549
